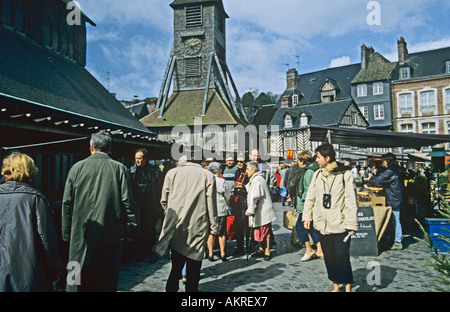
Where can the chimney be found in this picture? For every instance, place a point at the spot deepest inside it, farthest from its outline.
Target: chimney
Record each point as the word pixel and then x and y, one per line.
pixel 402 50
pixel 291 78
pixel 366 53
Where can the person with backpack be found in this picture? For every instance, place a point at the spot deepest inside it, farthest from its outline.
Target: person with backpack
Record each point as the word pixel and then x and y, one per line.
pixel 331 204
pixel 306 168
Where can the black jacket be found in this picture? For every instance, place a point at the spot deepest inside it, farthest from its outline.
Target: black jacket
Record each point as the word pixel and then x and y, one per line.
pixel 29 255
pixel 146 185
pixel 391 180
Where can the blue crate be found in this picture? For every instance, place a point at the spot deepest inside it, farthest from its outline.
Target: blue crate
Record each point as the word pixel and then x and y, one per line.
pixel 445 246
pixel 437 226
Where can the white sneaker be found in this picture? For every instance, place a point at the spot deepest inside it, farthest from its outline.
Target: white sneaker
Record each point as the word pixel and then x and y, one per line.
pixel 307 257
pixel 397 246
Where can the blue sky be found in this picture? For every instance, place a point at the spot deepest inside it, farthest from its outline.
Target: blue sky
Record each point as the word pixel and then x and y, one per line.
pixel 133 39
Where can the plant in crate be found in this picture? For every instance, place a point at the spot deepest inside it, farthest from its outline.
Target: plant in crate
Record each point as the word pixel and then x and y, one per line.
pixel 438 261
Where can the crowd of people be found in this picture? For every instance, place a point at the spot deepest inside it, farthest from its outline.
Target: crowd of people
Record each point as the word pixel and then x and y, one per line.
pixel 109 211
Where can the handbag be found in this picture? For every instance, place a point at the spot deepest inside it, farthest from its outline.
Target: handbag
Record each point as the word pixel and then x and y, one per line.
pixel 283 192
pixel 290 218
pixel 231 228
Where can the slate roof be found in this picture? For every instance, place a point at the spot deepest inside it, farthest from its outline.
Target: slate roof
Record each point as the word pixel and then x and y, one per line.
pixel 309 84
pixel 426 64
pixel 36 75
pixel 378 68
pixel 329 114
pixel 264 115
pixel 182 107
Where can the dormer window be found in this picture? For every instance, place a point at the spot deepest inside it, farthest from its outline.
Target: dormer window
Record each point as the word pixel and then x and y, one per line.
pixel 288 121
pixel 303 120
pixel 405 73
pixel 447 67
pixel 294 99
pixel 328 92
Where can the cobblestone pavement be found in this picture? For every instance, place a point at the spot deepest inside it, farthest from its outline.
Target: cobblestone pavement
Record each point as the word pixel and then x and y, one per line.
pixel 400 271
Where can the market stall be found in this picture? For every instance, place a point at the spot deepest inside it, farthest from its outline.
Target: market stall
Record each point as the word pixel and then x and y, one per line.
pixel 373 197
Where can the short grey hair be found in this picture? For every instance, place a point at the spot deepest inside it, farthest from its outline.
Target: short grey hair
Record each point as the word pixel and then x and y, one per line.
pixel 214 167
pixel 252 165
pixel 183 159
pixel 101 141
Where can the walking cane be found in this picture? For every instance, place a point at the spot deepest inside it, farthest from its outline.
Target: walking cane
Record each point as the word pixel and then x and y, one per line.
pixel 250 241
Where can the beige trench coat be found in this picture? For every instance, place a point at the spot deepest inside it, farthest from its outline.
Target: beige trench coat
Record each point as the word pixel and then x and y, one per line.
pixel 342 215
pixel 189 200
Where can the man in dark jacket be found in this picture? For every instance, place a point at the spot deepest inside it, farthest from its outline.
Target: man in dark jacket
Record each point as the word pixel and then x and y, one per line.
pixel 98 212
pixel 146 185
pixel 391 179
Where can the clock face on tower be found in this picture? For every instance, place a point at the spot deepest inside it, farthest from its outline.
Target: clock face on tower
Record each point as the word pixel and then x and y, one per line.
pixel 193 46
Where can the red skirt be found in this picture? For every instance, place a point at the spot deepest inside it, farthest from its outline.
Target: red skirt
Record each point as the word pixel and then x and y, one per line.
pixel 261 233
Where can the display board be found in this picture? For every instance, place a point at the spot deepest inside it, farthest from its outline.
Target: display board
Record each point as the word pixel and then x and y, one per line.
pixel 364 242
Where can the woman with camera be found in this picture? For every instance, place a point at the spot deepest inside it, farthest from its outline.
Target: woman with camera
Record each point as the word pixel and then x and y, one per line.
pixel 330 205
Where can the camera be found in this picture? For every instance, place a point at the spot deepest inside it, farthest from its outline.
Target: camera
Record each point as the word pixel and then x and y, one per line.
pixel 326 201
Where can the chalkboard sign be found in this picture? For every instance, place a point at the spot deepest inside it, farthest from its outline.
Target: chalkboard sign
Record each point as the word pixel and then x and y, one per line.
pixel 364 242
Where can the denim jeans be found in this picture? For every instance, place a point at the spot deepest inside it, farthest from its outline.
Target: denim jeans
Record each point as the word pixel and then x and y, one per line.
pixel 302 233
pixel 395 223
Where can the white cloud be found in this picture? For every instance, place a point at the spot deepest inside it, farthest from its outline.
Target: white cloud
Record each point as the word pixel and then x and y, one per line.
pixel 95 34
pixel 156 13
pixel 340 61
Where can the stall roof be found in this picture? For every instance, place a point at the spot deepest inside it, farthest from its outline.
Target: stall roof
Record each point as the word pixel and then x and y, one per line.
pixel 375 138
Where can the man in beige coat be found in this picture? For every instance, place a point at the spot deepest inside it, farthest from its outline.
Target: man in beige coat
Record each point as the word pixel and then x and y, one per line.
pixel 189 200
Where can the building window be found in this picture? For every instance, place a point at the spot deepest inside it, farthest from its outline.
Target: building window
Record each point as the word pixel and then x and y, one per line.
pixel 328 96
pixel 6 12
pixel 294 99
pixel 194 16
pixel 67 47
pixel 377 88
pixel 290 143
pixel 303 120
pixel 429 128
pixel 447 98
pixel 288 121
pixel 365 111
pixel 378 112
pixel 447 67
pixel 407 128
pixel 362 90
pixel 405 73
pixel 51 28
pixel 19 15
pixel 427 100
pixel 406 104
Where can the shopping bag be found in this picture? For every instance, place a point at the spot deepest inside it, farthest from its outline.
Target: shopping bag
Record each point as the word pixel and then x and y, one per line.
pixel 231 228
pixel 283 192
pixel 289 219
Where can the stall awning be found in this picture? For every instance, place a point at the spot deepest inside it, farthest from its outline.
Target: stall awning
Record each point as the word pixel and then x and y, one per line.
pixel 375 138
